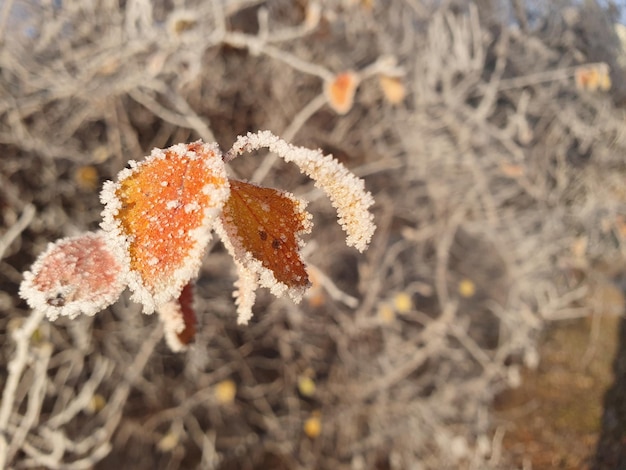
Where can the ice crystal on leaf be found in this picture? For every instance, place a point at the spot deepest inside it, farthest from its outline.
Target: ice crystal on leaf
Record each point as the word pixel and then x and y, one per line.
pixel 157 221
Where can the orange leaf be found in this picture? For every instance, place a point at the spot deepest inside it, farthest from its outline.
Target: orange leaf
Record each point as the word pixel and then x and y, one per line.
pixel 267 223
pixel 587 78
pixel 160 214
pixel 340 91
pixel 593 77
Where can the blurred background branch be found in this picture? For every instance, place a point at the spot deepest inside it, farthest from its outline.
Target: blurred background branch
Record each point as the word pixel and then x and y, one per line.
pixel 491 134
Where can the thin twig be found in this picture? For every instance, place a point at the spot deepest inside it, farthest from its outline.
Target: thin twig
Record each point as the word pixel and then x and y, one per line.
pixel 17 228
pixel 15 368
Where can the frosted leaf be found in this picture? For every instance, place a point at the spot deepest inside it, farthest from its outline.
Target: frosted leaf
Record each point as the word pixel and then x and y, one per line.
pixel 172 318
pixel 161 230
pixel 252 274
pixel 179 320
pixel 248 275
pixel 72 276
pixel 346 192
pixel 266 224
pixel 245 293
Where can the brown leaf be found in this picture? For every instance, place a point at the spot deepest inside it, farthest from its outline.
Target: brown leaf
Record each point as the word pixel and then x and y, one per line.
pixel 189 315
pixel 266 223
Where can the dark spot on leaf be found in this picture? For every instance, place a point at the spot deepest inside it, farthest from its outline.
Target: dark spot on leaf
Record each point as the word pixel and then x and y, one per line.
pixel 276 243
pixel 56 301
pixel 263 235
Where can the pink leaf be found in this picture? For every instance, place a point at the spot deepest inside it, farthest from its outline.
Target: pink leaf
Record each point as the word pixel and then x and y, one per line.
pixel 74 275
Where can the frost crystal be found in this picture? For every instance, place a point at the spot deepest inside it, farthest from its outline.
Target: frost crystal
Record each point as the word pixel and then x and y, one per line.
pixel 172 318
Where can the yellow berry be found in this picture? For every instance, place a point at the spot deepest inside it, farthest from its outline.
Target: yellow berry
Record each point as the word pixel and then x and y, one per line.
pixel 86 177
pixel 313 425
pixel 402 302
pixel 168 442
pixel 467 288
pixel 306 386
pixel 96 404
pixel 225 392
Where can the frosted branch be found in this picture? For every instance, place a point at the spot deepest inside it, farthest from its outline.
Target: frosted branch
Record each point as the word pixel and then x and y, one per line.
pixel 346 192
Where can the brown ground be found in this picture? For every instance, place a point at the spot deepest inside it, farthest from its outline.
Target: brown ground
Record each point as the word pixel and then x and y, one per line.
pixel 554 419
